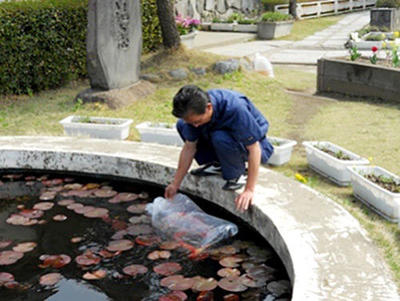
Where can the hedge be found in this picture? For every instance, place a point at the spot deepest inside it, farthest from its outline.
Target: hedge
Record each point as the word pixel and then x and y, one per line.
pixel 43 42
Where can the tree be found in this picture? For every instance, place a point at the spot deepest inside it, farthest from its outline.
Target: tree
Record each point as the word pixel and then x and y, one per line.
pixel 292 8
pixel 170 34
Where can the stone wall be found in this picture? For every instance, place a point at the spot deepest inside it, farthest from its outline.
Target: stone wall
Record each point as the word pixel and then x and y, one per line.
pixel 206 10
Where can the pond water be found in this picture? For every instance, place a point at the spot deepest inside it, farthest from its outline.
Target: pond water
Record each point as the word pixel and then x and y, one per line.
pixel 66 237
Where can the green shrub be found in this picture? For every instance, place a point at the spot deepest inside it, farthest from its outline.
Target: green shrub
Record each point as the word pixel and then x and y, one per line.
pixel 388 3
pixel 43 43
pixel 275 17
pixel 270 4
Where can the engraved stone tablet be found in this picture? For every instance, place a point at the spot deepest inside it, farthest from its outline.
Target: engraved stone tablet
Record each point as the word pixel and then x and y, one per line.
pixel 114 43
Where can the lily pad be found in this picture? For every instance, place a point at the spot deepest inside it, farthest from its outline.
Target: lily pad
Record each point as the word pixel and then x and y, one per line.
pixel 259 254
pixel 91 186
pixel 205 296
pixel 279 288
pixel 10 257
pixel 147 240
pixel 201 284
pixel 97 213
pixel 261 272
pixel 167 269
pixel 54 261
pixel 139 230
pixel 83 209
pixel 174 296
pixel 232 285
pixel 16 219
pixel 137 208
pixel 230 261
pixel 106 254
pixel 105 193
pixel 177 283
pixel 120 245
pixel 74 186
pixel 5 277
pixel 65 202
pixel 251 282
pixel 77 239
pixel 159 255
pixel 170 245
pixel 134 269
pixel 141 219
pixel 119 234
pixel 228 273
pixel 143 195
pixel 59 217
pixel 231 297
pixel 87 258
pixel 5 243
pixel 25 247
pixel 95 275
pixel 53 182
pixel 123 197
pixel 43 206
pixel 31 213
pixel 74 206
pixel 50 279
pixel 48 196
pixel 118 225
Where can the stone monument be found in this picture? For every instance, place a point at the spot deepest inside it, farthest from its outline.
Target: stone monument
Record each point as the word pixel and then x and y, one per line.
pixel 114 45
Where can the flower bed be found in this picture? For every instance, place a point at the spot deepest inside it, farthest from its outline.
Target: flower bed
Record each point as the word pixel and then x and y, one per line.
pixel 378 189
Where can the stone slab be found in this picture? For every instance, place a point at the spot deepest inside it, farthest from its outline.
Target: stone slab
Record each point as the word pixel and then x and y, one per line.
pixel 327 253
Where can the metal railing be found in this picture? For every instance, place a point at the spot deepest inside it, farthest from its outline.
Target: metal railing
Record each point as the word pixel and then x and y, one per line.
pixel 317 9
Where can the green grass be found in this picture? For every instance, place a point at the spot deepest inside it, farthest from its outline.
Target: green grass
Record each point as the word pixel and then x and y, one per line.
pixel 303 28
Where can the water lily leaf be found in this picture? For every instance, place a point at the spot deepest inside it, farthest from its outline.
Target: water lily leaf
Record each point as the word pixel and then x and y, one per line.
pixel 25 247
pixel 50 279
pixel 147 240
pixel 137 208
pixel 141 219
pixel 143 195
pixel 261 272
pixel 75 240
pixel 83 209
pixel 139 229
pixel 159 255
pixel 230 261
pixel 231 297
pixel 170 245
pixel 74 206
pixel 106 254
pixel 65 202
pixel 43 206
pixel 104 193
pixel 95 275
pixel 91 186
pixel 59 217
pixel 167 269
pixel 74 186
pixel 48 196
pixel 134 269
pixel 118 225
pixel 87 258
pixel 232 285
pixel 279 288
pixel 205 296
pixel 16 219
pixel 174 296
pixel 53 182
pixel 10 257
pixel 5 277
pixel 201 284
pixel 119 234
pixel 123 197
pixel 55 261
pixel 228 273
pixel 260 254
pixel 31 213
pixel 77 193
pixel 97 213
pixel 250 282
pixel 5 243
pixel 177 283
pixel 120 245
pixel 224 250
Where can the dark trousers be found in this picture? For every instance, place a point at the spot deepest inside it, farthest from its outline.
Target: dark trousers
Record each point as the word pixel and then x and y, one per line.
pixel 223 148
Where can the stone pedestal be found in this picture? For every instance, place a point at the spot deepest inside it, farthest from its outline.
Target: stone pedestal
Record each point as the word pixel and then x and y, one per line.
pixel 385 18
pixel 114 43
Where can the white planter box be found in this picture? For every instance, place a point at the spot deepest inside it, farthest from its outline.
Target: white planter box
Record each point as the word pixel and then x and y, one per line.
pixel 222 26
pixel 246 28
pixel 188 39
pixel 331 167
pixel 161 133
pixel 382 201
pixel 282 152
pixel 106 128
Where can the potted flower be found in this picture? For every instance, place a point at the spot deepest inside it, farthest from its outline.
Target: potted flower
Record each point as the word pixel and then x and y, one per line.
pixel 159 132
pixel 282 150
pixel 377 188
pixel 96 127
pixel 331 160
pixel 187 29
pixel 274 25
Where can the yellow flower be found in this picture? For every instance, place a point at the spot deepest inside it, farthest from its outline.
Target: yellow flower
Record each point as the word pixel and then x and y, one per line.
pixel 300 178
pixel 370 159
pixel 383 45
pixel 396 34
pixel 383 36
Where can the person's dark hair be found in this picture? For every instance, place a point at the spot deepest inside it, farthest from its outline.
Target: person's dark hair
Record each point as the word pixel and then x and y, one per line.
pixel 190 99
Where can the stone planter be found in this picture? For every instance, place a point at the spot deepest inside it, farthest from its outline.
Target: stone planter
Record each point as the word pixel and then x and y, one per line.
pixel 382 201
pixel 222 26
pixel 188 39
pixel 358 79
pixel 385 17
pixel 329 166
pixel 162 133
pixel 97 127
pixel 246 28
pixel 271 30
pixel 282 152
pixel 364 44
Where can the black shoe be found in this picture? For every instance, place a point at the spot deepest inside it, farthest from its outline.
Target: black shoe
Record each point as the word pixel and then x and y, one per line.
pixel 210 169
pixel 235 184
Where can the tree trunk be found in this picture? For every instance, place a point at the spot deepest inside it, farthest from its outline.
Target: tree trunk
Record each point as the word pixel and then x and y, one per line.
pixel 292 8
pixel 170 34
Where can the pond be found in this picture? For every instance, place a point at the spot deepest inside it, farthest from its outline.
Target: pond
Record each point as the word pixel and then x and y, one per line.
pixel 73 237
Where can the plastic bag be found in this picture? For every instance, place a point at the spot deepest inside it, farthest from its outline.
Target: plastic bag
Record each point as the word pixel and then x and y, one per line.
pixel 182 220
pixel 263 65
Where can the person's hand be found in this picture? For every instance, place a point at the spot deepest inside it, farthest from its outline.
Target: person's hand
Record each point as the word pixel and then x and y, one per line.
pixel 170 191
pixel 243 200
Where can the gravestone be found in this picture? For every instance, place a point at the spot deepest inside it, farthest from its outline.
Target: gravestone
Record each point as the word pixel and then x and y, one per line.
pixel 114 45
